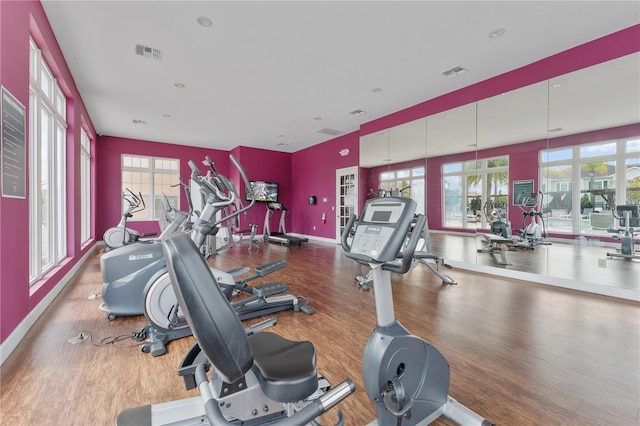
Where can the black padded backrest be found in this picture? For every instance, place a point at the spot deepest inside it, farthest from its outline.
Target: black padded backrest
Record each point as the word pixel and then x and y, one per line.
pixel 213 321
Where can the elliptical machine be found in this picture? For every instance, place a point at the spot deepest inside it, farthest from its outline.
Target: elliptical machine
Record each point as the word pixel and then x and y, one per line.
pixel 406 377
pixel 495 212
pixel 126 271
pixel 119 235
pixel 628 217
pixel 535 232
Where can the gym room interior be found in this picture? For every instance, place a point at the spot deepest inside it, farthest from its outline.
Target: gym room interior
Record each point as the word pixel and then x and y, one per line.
pixel 523 113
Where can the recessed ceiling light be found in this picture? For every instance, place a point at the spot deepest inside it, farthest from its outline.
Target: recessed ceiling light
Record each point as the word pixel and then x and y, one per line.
pixel 204 21
pixel 317 118
pixel 376 90
pixel 136 121
pixel 281 136
pixel 357 112
pixel 180 85
pixel 555 85
pixel 283 144
pixel 166 115
pixel 497 33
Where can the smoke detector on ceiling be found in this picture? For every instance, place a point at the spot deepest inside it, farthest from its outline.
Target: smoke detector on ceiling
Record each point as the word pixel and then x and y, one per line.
pixel 148 52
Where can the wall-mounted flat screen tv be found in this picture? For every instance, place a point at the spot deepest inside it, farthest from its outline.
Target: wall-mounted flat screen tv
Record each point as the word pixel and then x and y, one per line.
pixel 264 191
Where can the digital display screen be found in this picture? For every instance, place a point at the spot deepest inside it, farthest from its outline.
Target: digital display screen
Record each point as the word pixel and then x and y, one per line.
pixel 263 191
pixel 381 215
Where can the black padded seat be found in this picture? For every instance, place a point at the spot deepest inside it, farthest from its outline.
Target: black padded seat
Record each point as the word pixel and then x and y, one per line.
pixel 286 369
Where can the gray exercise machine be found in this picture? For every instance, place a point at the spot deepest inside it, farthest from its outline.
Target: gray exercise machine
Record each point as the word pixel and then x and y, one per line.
pixel 257 378
pixel 280 237
pixel 423 256
pixel 406 377
pixel 119 235
pixel 628 217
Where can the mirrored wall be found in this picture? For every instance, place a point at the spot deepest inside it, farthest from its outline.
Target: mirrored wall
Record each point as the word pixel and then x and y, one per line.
pixel 554 157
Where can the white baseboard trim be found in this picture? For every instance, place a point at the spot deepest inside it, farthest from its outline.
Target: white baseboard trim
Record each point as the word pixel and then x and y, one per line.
pixel 11 343
pixel 603 290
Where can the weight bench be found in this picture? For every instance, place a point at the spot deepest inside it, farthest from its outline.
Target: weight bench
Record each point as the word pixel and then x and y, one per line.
pixel 497 244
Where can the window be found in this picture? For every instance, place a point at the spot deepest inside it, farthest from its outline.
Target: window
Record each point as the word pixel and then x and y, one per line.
pixel 151 177
pixel 85 186
pixel 47 153
pixel 408 183
pixel 469 185
pixel 583 183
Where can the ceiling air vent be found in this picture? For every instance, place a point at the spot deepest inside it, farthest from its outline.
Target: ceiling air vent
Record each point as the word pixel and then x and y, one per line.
pixel 142 122
pixel 454 72
pixel 148 52
pixel 357 112
pixel 330 132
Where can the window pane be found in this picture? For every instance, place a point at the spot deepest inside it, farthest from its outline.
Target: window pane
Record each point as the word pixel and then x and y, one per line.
pixel 452 201
pixel 598 150
pixel 472 165
pixel 632 181
pixel 402 174
pixel 557 155
pixel 557 197
pixel 454 167
pixel 498 162
pixel 633 146
pixel 418 171
pixel 387 175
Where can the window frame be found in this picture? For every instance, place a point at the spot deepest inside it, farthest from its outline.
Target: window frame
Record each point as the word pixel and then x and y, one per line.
pixel 47 162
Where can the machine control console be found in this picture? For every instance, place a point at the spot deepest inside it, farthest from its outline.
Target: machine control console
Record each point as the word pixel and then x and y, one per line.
pixel 382 229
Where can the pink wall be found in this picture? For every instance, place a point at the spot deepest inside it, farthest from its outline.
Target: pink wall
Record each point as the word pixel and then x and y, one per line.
pixel 313 172
pixel 307 172
pixel 18 20
pixel 109 151
pixel 270 166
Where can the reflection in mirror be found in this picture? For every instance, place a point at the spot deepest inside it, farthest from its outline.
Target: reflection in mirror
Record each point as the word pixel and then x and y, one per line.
pixel 512 127
pixel 576 138
pixel 451 144
pixel 395 162
pixel 591 166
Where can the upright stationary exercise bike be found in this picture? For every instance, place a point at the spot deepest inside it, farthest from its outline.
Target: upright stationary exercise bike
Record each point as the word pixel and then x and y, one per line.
pixel 628 217
pixel 406 377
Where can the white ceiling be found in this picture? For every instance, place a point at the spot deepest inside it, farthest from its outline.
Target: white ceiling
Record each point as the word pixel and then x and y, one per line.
pixel 271 74
pixel 602 96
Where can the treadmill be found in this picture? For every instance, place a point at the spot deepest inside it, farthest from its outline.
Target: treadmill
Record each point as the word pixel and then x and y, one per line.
pixel 281 237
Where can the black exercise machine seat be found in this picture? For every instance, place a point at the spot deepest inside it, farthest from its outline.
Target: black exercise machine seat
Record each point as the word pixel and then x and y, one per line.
pixel 285 369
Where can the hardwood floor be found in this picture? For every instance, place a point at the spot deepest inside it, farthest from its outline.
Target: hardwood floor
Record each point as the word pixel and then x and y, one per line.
pixel 520 353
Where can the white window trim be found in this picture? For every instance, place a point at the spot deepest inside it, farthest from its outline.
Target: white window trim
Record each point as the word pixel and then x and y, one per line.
pixel 54 103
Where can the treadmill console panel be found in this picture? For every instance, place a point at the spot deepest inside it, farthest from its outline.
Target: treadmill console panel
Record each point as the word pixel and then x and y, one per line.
pixel 382 229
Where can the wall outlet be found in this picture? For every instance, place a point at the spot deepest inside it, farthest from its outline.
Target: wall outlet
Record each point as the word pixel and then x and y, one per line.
pixel 602 263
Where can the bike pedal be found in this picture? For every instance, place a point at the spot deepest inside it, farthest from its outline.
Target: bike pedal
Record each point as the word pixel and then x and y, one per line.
pixel 307 309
